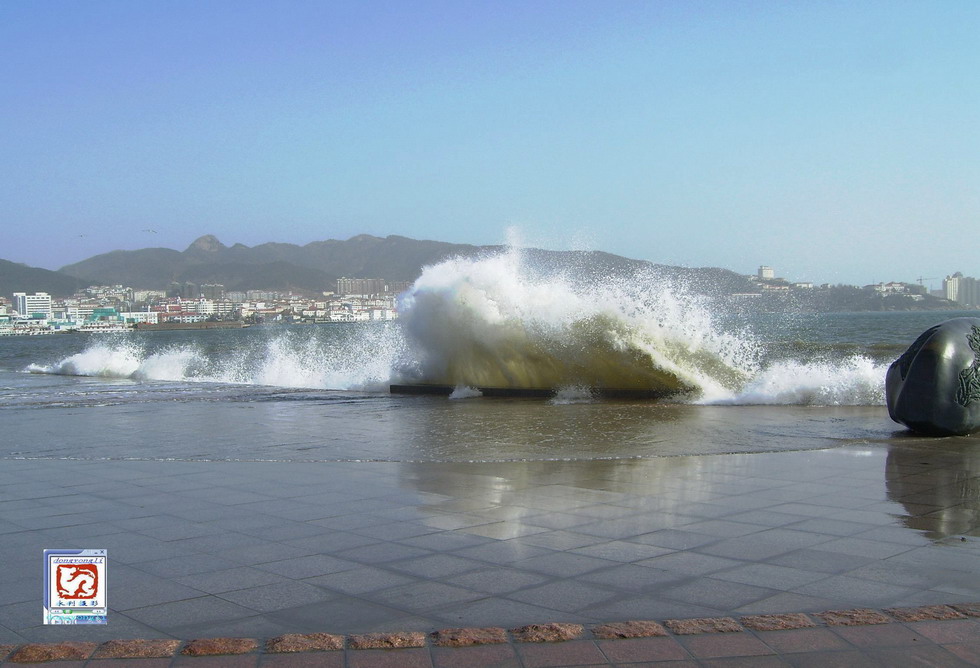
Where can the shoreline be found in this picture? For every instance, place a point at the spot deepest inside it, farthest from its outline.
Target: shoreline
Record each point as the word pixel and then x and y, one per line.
pixel 170 326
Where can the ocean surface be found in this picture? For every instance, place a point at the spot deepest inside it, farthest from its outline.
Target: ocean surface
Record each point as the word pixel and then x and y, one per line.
pixel 745 383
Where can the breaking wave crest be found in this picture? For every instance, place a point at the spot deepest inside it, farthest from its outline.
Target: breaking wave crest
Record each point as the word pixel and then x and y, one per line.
pixel 495 322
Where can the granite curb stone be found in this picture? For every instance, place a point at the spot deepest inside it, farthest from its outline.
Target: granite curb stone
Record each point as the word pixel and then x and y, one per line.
pixel 467 637
pixel 304 642
pixel 137 649
pixel 393 640
pixel 554 632
pixel 59 651
pixel 632 629
pixel 703 625
pixel 925 612
pixel 217 646
pixel 969 609
pixel 856 617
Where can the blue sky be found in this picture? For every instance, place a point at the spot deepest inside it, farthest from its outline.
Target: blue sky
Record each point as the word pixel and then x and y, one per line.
pixel 835 141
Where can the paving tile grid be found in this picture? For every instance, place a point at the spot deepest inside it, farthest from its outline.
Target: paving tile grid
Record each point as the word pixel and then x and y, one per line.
pixel 250 549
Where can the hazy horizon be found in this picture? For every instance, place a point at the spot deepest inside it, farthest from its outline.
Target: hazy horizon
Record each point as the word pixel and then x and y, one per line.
pixel 834 142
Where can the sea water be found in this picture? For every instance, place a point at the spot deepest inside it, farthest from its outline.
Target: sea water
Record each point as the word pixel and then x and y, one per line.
pixel 744 382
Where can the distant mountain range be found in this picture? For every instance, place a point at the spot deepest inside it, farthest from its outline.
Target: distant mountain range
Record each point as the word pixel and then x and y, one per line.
pixel 16 277
pixel 314 267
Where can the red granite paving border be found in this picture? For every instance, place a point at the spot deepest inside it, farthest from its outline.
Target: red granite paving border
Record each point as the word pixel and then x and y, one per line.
pixel 136 649
pixel 304 642
pixel 634 629
pixel 553 632
pixel 630 640
pixel 467 637
pixel 219 646
pixel 686 627
pixel 855 617
pixel 784 622
pixel 925 612
pixel 56 651
pixel 394 640
pixel 969 609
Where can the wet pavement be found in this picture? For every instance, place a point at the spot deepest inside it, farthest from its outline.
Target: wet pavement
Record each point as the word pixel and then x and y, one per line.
pixel 257 550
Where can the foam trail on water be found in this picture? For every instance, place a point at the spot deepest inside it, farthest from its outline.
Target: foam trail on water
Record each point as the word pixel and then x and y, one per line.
pixel 298 361
pixel 107 359
pixel 855 381
pixel 464 392
pixel 173 363
pixel 362 361
pixel 573 395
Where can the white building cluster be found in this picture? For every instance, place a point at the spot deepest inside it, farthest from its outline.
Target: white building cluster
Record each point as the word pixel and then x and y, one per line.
pixel 113 308
pixel 964 290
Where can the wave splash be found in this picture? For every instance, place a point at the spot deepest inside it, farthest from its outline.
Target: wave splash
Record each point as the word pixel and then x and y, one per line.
pixel 501 321
pixel 496 322
pixel 358 360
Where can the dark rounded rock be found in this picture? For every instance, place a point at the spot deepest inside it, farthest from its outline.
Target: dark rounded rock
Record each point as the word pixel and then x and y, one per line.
pixel 934 387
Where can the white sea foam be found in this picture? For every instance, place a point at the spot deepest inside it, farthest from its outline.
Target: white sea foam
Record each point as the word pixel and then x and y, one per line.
pixel 855 381
pixel 573 394
pixel 173 363
pixel 104 358
pixel 283 359
pixel 465 392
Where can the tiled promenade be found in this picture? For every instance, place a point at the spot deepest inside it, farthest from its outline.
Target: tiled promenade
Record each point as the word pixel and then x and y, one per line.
pixel 262 550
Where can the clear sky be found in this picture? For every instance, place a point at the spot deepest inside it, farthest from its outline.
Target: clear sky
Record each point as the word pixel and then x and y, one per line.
pixel 838 141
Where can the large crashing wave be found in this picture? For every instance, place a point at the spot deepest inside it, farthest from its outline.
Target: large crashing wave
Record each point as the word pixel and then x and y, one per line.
pixel 497 322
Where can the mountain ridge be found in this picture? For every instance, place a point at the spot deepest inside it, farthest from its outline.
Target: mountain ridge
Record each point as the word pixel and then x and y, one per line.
pixel 17 277
pixel 315 266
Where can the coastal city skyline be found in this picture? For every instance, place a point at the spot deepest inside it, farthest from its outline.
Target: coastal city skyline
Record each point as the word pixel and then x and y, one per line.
pixel 185 304
pixel 836 141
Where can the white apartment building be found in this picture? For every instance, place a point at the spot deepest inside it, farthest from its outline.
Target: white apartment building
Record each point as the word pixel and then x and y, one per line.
pixel 201 306
pixel 30 305
pixel 143 317
pixel 962 289
pixel 80 312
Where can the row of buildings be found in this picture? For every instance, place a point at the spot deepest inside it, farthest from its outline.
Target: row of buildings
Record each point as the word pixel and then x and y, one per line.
pixel 963 290
pixel 110 308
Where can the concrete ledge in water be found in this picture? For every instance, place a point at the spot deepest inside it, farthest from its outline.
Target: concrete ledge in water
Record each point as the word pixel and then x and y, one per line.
pixel 533 392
